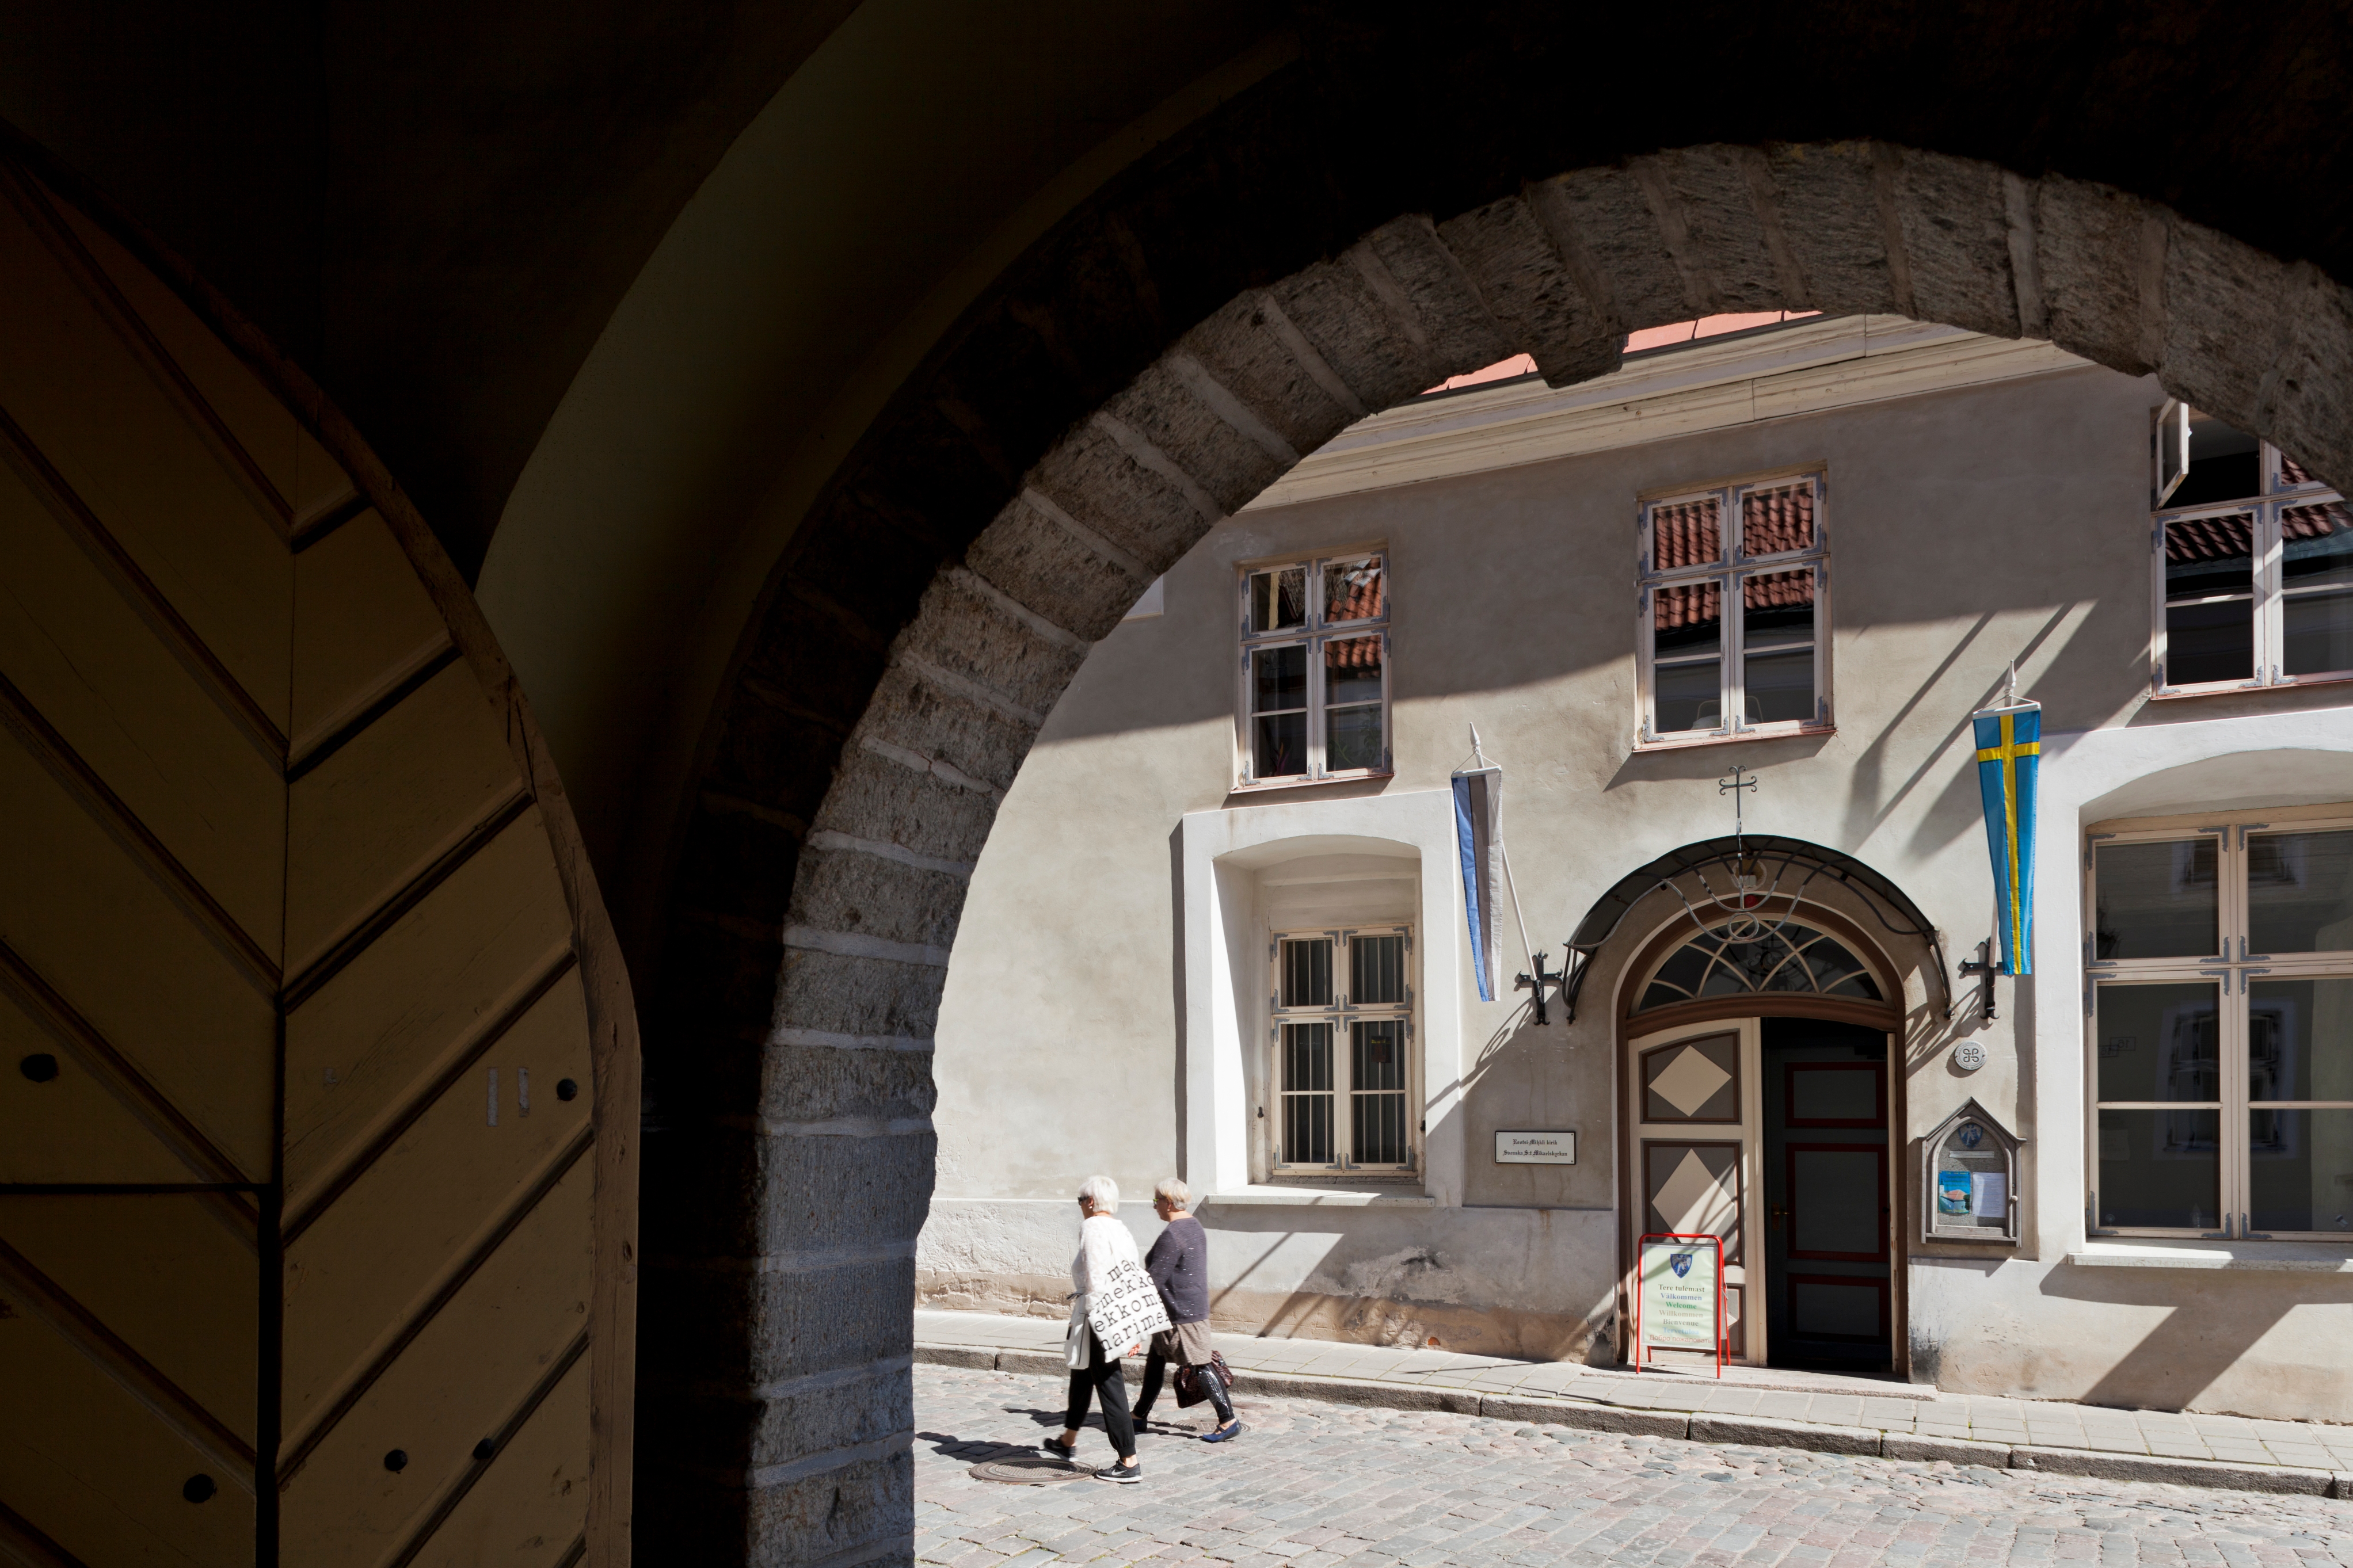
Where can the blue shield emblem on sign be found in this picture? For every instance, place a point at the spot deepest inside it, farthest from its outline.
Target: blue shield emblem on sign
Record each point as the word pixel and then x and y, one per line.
pixel 1972 1135
pixel 1679 1262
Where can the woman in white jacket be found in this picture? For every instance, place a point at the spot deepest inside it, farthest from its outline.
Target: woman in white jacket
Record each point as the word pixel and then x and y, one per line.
pixel 1102 1241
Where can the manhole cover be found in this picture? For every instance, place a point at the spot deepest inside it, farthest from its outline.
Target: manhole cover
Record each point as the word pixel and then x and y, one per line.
pixel 1033 1471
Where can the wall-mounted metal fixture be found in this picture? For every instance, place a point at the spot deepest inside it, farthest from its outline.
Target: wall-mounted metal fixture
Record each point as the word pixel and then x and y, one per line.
pixel 1969 1180
pixel 1982 968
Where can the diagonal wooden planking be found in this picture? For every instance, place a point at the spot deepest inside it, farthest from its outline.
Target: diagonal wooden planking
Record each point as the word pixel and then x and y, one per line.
pixel 288 887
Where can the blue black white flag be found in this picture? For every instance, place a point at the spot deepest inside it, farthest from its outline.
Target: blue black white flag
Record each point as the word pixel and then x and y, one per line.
pixel 1478 804
pixel 2010 754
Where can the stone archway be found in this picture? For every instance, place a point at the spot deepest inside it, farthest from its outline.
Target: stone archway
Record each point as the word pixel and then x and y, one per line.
pixel 790 1155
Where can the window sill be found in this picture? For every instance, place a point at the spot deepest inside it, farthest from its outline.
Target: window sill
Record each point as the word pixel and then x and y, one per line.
pixel 2244 688
pixel 1265 1195
pixel 1271 786
pixel 1736 738
pixel 2236 1256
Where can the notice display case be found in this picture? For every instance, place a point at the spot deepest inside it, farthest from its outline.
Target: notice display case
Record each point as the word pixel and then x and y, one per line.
pixel 1969 1180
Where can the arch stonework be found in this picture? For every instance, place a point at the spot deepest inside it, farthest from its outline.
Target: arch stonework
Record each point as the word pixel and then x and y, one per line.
pixel 788 1153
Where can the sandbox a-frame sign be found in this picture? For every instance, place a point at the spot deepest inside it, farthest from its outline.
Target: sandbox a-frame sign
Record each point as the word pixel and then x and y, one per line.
pixel 1679 1295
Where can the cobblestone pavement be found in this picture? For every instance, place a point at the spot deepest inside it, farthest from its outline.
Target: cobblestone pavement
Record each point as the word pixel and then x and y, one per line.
pixel 1321 1485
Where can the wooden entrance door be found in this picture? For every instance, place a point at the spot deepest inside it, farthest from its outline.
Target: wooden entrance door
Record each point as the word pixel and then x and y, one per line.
pixel 317 1064
pixel 1692 1108
pixel 1827 1194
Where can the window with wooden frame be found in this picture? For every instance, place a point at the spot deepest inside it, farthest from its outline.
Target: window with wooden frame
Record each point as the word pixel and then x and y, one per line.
pixel 1342 1035
pixel 2252 563
pixel 1314 698
pixel 1759 548
pixel 2220 995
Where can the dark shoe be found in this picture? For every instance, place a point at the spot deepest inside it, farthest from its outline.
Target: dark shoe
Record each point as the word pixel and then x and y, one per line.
pixel 1067 1453
pixel 1226 1433
pixel 1124 1474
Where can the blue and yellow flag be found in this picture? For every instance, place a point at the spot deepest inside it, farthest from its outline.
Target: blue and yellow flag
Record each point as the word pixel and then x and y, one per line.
pixel 2010 754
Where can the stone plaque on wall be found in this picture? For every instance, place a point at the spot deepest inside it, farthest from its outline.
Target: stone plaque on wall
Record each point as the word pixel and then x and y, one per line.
pixel 1536 1148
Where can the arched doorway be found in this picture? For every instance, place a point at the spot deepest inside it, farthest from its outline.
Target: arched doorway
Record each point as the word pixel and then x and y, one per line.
pixel 1761 1103
pixel 882 844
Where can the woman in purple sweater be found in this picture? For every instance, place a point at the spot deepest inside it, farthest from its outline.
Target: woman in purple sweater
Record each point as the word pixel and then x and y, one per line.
pixel 1179 1264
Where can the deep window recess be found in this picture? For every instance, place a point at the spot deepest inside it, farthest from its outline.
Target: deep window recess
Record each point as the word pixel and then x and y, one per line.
pixel 1315 669
pixel 2221 1029
pixel 1342 1032
pixel 2252 562
pixel 1761 549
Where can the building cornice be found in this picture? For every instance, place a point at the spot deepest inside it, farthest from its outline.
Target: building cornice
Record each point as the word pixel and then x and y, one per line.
pixel 1805 367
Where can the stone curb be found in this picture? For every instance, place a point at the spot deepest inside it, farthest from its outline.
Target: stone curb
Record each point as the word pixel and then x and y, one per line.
pixel 2174 1472
pixel 1753 1430
pixel 1764 1433
pixel 1585 1417
pixel 1951 1450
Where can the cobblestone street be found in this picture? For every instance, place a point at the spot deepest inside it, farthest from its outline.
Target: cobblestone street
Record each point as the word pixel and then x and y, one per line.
pixel 1321 1485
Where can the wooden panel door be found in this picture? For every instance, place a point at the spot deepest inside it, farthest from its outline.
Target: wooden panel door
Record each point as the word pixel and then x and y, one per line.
pixel 318 1096
pixel 1692 1096
pixel 1830 1213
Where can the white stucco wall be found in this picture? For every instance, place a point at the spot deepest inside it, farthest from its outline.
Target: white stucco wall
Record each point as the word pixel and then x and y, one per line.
pixel 1099 1011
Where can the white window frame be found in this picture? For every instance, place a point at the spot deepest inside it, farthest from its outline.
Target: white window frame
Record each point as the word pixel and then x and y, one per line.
pixel 2270 599
pixel 1341 1012
pixel 2231 971
pixel 1727 571
pixel 1312 635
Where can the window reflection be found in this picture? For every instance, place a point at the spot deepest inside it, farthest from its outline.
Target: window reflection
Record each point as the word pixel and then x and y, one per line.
pixel 2157 900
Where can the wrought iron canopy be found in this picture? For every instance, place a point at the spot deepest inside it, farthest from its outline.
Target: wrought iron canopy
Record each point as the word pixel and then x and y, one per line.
pixel 1738 873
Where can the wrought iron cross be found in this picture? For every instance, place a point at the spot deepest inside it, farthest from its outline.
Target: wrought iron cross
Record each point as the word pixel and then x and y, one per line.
pixel 1738 779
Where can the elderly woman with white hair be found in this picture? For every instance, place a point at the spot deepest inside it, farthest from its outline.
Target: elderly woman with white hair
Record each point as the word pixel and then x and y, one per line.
pixel 1180 1265
pixel 1095 1370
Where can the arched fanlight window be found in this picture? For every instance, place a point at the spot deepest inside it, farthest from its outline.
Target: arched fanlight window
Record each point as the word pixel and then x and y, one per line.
pixel 1783 958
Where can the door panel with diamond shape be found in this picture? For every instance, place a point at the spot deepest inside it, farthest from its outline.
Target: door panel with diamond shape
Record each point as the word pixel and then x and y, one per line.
pixel 1691 1101
pixel 1693 1080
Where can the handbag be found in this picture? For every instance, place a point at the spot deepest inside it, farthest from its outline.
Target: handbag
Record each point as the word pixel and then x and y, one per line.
pixel 1189 1391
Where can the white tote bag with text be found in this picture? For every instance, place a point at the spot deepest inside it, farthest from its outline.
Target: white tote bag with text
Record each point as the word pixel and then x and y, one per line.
pixel 1124 1309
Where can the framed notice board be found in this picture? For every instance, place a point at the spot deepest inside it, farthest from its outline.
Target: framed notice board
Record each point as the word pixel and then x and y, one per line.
pixel 1969 1180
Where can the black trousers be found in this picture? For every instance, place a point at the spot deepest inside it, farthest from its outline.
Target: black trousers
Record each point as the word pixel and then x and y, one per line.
pixel 1156 1365
pixel 1101 1378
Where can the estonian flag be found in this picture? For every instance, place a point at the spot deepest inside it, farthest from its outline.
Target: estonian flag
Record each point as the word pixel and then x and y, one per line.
pixel 2010 754
pixel 1478 804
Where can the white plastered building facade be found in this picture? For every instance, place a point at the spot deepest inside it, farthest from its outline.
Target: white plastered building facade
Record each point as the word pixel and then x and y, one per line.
pixel 1120 997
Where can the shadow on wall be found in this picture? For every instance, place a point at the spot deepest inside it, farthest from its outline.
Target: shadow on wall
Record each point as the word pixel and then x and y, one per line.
pixel 2204 1353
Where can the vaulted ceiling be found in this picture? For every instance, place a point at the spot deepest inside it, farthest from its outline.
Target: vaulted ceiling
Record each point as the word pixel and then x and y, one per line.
pixel 615 290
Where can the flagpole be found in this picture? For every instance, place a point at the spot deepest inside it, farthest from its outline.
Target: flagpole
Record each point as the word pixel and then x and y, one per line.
pixel 1502 852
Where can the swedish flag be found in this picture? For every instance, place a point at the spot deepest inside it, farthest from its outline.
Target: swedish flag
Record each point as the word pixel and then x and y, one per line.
pixel 2010 754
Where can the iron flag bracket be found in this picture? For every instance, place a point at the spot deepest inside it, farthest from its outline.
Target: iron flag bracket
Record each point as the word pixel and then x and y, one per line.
pixel 1983 969
pixel 1537 983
